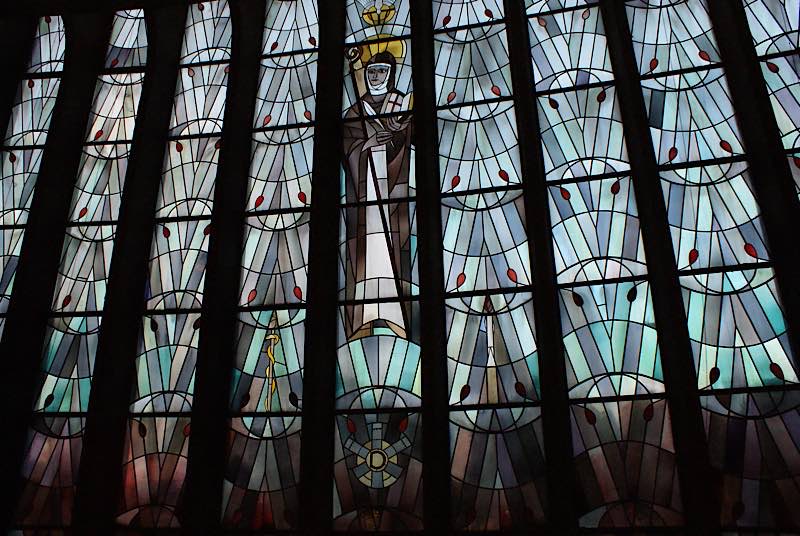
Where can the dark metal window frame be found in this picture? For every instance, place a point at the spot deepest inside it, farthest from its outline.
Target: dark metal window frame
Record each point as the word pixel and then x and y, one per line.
pixel 88 24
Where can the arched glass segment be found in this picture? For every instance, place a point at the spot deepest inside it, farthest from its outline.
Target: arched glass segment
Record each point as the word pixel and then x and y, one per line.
pixel 670 36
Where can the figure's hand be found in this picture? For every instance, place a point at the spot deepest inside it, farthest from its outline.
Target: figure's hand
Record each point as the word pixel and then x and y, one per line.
pixel 384 136
pixel 399 123
pixel 381 137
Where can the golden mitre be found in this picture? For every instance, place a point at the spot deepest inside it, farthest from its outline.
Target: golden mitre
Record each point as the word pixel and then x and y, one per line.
pixel 395 48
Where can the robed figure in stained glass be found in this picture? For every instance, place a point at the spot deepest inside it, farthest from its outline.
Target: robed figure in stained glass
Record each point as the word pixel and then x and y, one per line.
pixel 377 153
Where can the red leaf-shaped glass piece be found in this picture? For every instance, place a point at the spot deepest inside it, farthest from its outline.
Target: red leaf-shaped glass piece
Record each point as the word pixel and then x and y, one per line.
pixel 577 299
pixel 773 67
pixel 446 20
pixel 496 90
pixel 312 41
pixel 456 181
pixel 66 301
pixel 197 323
pixel 351 426
pixel 153 325
pixel 776 370
pixel 259 200
pixel 48 401
pixel 615 188
pixel 165 232
pixel 726 146
pixel 631 296
pixel 673 152
pixel 218 144
pixel 462 277
pixel 98 135
pixel 693 255
pixel 601 97
pixel 402 426
pixel 267 119
pixel 302 197
pixel 48 19
pixel 273 46
pixel 704 55
pixel 207 230
pixel 503 174
pixel 750 249
pixel 489 13
pixel 201 7
pixel 796 161
pixel 520 389
pixel 512 275
pixel 142 430
pixel 465 390
pixel 83 212
pixel 187 430
pixel 30 84
pixel 115 62
pixel 251 295
pixel 565 194
pixel 713 376
pixel 648 412
pixel 591 418
pixel 298 293
pixel 653 64
pixel 178 146
pixel 553 103
pixel 307 115
pixel 542 21
pixel 451 96
pixel 12 157
pixel 293 400
pixel 227 69
pixel 190 72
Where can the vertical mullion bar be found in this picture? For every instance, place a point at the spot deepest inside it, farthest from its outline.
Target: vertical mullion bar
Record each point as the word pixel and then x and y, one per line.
pixel 316 456
pixel 100 480
pixel 435 408
pixel 36 273
pixel 206 465
pixel 697 478
pixel 772 178
pixel 561 512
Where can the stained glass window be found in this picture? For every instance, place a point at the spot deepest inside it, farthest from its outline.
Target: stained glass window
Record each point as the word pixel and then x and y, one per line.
pixel 774 26
pixel 735 316
pixel 378 454
pixel 23 145
pixel 262 471
pixel 552 251
pixel 159 426
pixel 73 330
pixel 609 332
pixel 492 356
